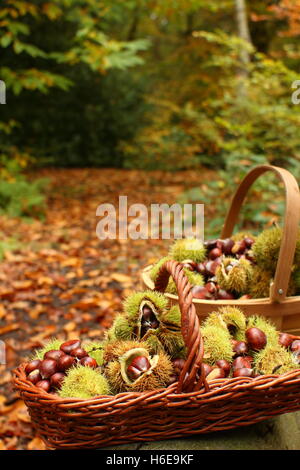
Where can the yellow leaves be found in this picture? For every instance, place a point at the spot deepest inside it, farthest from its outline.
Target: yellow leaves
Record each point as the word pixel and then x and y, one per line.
pixel 9 328
pixel 121 278
pixel 36 444
pixel 51 10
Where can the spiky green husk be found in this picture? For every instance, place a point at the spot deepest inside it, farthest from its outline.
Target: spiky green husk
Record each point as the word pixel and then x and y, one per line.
pixel 217 344
pixel 255 321
pixel 156 267
pixel 259 287
pixel 48 346
pixel 195 279
pixel 95 350
pixel 133 302
pixel 159 375
pixel 266 249
pixel 241 235
pixel 122 328
pixel 228 318
pixel 238 278
pixel 274 359
pixel 84 382
pixel 188 248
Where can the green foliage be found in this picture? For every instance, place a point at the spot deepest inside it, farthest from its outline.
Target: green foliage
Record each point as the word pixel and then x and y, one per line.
pixel 64 55
pixel 18 196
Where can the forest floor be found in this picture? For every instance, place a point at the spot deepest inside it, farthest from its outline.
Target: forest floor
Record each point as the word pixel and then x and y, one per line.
pixel 65 282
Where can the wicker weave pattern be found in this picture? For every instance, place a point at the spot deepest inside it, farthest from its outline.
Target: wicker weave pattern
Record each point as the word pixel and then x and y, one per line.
pixel 189 407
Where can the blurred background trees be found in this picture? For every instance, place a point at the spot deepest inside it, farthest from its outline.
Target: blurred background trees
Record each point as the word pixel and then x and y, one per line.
pixel 150 84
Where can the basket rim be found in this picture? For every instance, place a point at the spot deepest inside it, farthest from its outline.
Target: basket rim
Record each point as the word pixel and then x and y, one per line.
pixel 262 300
pixel 216 387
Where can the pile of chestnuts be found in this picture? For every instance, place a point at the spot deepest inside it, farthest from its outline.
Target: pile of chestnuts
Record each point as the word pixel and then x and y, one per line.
pixel 48 373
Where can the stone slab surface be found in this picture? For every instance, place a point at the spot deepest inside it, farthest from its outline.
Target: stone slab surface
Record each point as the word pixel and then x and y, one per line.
pixel 279 433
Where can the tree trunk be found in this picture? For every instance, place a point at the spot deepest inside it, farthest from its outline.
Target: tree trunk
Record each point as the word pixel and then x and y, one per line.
pixel 243 33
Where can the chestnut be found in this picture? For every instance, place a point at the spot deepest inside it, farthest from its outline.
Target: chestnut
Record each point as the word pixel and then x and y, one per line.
pixel 215 253
pixel 79 353
pixel 256 338
pixel 137 367
pixel 201 268
pixel 227 246
pixel 242 362
pixel 211 287
pixel 295 346
pixel 65 362
pixel 240 348
pixel 32 365
pixel 207 368
pixel 216 373
pixel 57 379
pixel 200 292
pixel 248 241
pixel 89 362
pixel 285 340
pixel 223 364
pixel 68 346
pixel 44 385
pixel 224 295
pixel 210 244
pixel 243 372
pixel 178 365
pixel 54 354
pixel 34 376
pixel 48 367
pixel 239 247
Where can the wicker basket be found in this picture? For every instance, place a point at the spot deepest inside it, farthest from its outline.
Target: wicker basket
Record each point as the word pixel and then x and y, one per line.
pixel 284 311
pixel 190 406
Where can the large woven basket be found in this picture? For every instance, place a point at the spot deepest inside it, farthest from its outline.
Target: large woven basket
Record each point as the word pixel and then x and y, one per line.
pixel 284 311
pixel 190 406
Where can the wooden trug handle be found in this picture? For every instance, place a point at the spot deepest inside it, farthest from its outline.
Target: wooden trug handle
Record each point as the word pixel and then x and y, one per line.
pixel 279 287
pixel 192 376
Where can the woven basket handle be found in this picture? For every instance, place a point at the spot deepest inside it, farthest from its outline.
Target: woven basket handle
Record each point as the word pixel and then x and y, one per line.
pixel 290 227
pixel 192 376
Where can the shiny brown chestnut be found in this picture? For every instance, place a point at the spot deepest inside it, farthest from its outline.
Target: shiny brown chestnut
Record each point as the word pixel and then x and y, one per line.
pixel 89 362
pixel 295 346
pixel 68 346
pixel 222 294
pixel 200 292
pixel 256 338
pixel 65 362
pixel 240 348
pixel 44 385
pixel 207 368
pixel 34 376
pixel 137 367
pixel 32 365
pixel 242 362
pixel 215 253
pixel 56 379
pixel 54 354
pixel 178 365
pixel 243 372
pixel 48 367
pixel 285 340
pixel 223 364
pixel 79 353
pixel 227 246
